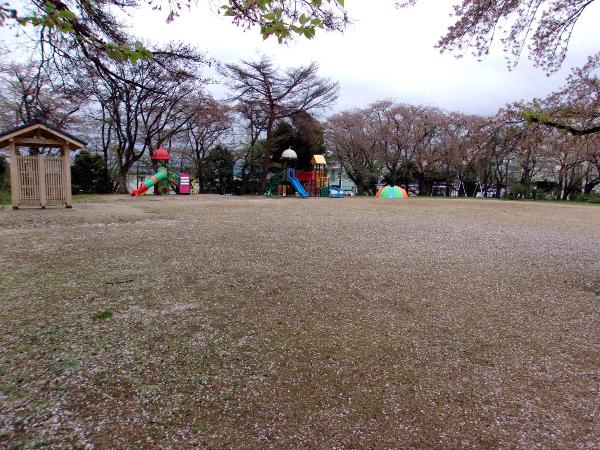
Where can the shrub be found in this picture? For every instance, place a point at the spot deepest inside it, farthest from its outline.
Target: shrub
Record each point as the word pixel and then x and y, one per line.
pixel 591 198
pixel 88 175
pixel 545 186
pixel 3 172
pixel 517 189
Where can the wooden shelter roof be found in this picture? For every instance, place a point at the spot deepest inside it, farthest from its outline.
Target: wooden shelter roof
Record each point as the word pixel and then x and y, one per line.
pixel 39 134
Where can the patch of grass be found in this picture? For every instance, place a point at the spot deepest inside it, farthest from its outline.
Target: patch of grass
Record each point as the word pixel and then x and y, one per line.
pixel 103 314
pixel 42 333
pixel 592 198
pixel 61 366
pixel 83 198
pixel 201 378
pixel 5 196
pixel 577 202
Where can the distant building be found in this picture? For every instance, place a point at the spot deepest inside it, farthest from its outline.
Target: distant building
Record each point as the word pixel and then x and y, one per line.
pixel 338 177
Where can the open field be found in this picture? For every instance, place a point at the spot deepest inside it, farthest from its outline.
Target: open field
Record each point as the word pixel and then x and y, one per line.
pixel 327 323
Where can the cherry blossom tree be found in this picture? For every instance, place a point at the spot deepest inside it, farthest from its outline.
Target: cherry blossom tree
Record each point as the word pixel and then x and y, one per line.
pixel 409 140
pixel 591 177
pixel 28 92
pixel 354 138
pixel 545 27
pixel 575 107
pixel 209 121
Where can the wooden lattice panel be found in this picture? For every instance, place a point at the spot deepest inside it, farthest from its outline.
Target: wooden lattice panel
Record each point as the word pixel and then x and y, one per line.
pixel 55 190
pixel 28 180
pixel 39 180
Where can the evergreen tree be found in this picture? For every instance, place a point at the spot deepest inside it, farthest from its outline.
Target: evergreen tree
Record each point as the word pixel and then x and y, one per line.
pixel 88 175
pixel 304 135
pixel 220 163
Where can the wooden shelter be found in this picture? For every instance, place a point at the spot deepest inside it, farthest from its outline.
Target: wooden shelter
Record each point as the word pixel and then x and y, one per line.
pixel 40 180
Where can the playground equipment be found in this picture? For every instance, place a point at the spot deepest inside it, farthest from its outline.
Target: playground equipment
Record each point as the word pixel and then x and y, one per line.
pixel 391 192
pixel 313 183
pixel 316 179
pixel 291 178
pixel 164 179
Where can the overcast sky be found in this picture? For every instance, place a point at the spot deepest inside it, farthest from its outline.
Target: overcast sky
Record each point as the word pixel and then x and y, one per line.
pixel 385 53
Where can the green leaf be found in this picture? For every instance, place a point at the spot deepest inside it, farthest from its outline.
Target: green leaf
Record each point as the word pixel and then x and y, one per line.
pixel 309 32
pixel 50 8
pixel 67 15
pixel 228 11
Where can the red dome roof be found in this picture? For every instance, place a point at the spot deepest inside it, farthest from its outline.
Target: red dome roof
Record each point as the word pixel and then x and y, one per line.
pixel 160 154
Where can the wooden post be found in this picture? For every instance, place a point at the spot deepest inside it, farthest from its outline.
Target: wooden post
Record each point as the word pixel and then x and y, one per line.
pixel 41 179
pixel 15 186
pixel 66 167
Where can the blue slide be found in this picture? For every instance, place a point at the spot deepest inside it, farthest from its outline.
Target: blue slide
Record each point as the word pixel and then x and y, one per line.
pixel 291 177
pixel 298 186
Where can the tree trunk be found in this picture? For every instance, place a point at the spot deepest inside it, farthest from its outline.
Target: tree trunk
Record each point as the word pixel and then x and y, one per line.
pixel 526 181
pixel 107 181
pixel 421 183
pixel 265 173
pixel 372 188
pixel 244 186
pixel 498 193
pixel 123 183
pixel 267 155
pixel 359 182
pixel 561 185
pixel 589 186
pixel 200 176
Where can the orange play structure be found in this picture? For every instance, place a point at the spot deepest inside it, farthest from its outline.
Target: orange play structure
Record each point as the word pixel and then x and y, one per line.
pixel 316 179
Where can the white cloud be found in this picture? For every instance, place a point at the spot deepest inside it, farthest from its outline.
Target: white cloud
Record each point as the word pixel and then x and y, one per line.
pixel 385 53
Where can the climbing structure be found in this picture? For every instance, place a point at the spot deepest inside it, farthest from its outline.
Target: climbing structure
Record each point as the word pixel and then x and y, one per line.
pixel 316 179
pixel 164 179
pixel 313 183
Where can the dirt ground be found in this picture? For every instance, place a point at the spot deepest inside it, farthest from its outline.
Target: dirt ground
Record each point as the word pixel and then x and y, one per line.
pixel 224 322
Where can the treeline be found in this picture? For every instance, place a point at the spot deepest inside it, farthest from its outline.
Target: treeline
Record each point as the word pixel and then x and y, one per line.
pixel 420 146
pixel 126 110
